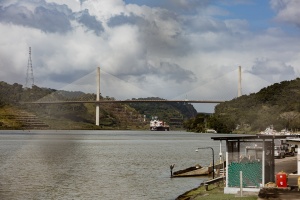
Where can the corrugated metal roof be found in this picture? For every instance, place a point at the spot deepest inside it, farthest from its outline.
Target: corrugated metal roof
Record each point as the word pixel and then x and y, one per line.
pixel 253 137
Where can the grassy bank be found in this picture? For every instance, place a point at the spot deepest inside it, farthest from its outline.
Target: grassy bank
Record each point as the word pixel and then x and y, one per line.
pixel 215 192
pixel 7 118
pixel 15 118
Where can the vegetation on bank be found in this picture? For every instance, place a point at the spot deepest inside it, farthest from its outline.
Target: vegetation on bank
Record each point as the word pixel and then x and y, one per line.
pixel 277 105
pixel 215 192
pixel 14 111
pixel 182 109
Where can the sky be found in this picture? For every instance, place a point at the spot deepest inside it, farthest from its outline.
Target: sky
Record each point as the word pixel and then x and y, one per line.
pixel 173 49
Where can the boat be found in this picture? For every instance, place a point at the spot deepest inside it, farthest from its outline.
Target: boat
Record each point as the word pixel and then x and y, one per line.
pixel 158 125
pixel 285 132
pixel 210 131
pixel 197 170
pixel 269 131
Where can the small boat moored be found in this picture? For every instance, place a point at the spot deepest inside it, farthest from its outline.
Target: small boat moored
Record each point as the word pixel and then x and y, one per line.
pixel 197 170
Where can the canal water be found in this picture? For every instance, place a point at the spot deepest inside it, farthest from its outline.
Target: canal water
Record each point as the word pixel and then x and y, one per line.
pixel 99 164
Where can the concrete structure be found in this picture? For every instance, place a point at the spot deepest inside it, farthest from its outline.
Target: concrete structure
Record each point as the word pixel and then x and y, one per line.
pixel 98 97
pixel 97 102
pixel 240 82
pixel 254 156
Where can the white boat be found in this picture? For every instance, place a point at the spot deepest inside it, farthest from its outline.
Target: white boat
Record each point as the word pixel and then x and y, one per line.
pixel 158 125
pixel 285 132
pixel 211 131
pixel 270 131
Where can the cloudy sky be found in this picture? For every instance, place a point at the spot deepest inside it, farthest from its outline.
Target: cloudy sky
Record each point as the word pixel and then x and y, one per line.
pixel 173 49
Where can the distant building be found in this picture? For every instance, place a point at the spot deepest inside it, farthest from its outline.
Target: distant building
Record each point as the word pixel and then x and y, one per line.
pixel 176 122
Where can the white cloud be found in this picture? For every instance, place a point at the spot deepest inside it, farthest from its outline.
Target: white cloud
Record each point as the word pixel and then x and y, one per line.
pixel 74 5
pixel 104 10
pixel 273 70
pixel 287 11
pixel 156 51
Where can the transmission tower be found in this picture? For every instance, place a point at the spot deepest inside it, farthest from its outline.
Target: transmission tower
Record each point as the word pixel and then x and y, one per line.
pixel 29 75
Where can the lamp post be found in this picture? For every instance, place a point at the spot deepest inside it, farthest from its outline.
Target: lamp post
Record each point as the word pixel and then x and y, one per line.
pixel 213 158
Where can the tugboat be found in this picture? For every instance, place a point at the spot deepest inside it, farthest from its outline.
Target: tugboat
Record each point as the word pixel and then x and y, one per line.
pixel 157 125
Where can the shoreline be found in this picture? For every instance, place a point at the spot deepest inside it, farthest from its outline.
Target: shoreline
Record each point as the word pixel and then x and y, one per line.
pixel 288 165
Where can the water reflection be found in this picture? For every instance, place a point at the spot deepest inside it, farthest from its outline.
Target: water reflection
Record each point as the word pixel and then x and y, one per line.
pixel 98 164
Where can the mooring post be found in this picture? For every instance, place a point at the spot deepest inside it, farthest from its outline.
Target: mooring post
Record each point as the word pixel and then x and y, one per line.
pixel 171 169
pixel 206 186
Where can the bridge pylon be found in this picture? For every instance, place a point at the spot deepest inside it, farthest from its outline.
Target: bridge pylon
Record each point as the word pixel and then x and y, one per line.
pixel 98 97
pixel 240 82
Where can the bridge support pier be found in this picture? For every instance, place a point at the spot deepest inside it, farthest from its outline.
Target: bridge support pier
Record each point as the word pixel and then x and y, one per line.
pixel 97 115
pixel 240 82
pixel 98 97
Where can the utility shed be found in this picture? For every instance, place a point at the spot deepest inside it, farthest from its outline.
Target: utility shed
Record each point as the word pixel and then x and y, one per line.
pixel 253 155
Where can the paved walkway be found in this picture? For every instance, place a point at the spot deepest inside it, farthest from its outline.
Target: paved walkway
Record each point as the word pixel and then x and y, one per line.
pixel 289 166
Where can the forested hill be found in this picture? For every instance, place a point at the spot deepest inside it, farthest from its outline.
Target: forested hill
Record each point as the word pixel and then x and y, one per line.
pixel 277 105
pixel 81 115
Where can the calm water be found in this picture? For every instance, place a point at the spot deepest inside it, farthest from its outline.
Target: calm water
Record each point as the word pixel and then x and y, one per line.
pixel 99 164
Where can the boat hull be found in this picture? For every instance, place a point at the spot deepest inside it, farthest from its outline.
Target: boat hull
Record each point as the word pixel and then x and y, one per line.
pixel 158 125
pixel 160 128
pixel 197 171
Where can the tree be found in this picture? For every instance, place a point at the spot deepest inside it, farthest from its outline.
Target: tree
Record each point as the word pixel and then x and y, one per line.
pixel 289 117
pixel 221 123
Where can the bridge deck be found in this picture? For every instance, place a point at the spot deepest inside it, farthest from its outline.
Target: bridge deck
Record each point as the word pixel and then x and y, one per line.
pixel 126 101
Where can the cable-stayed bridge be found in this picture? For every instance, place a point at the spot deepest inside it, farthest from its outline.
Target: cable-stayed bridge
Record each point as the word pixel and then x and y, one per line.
pixel 215 89
pixel 98 100
pixel 112 83
pixel 128 101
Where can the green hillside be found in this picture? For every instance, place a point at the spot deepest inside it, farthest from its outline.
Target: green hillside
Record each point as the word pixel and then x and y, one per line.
pixel 277 105
pixel 15 114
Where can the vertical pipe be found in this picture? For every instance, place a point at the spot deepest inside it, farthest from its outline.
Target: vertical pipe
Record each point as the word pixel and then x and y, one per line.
pixel 298 159
pixel 240 82
pixel 239 149
pixel 98 97
pixel 213 157
pixel 272 171
pixel 220 154
pixel 227 161
pixel 241 183
pixel 263 163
